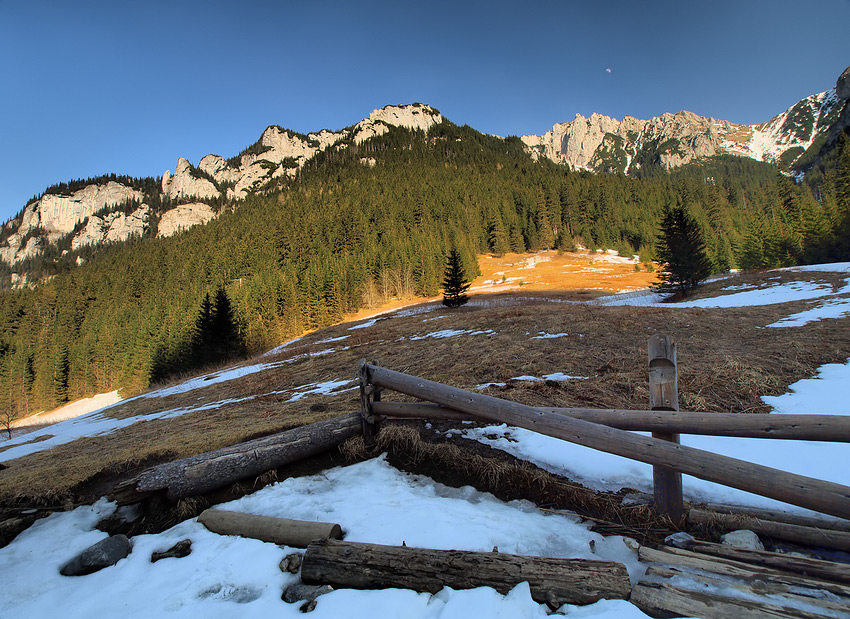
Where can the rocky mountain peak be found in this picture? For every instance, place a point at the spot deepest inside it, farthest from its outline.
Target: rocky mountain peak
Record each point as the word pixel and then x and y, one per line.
pixel 842 86
pixel 600 143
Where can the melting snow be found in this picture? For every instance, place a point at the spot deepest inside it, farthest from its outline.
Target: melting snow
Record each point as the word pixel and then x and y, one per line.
pixel 542 335
pixel 226 576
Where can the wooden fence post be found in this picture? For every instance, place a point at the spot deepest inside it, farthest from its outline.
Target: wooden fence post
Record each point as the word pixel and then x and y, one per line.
pixel 368 393
pixel 664 395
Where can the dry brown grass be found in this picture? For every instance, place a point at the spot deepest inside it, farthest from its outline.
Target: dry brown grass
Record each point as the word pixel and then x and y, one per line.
pixel 727 361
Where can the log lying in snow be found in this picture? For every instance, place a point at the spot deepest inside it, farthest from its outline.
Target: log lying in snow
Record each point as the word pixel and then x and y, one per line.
pixel 215 469
pixel 284 531
pixel 680 582
pixel 822 496
pixel 819 522
pixel 831 428
pixel 664 599
pixel 813 568
pixel 552 581
pixel 808 536
pixel 770 578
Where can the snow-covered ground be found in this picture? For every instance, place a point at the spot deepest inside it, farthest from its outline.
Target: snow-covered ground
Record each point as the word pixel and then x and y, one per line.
pixel 229 576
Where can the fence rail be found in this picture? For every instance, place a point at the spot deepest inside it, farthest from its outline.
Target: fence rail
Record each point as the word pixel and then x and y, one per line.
pixel 454 403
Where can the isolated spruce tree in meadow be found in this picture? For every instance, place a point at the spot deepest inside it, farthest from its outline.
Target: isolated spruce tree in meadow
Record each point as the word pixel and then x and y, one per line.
pixel 681 250
pixel 455 284
pixel 226 340
pixel 216 337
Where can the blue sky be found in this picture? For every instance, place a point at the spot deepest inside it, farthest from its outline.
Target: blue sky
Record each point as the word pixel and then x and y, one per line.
pixel 95 87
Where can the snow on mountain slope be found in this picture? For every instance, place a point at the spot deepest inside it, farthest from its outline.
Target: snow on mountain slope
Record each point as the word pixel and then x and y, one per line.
pixel 600 143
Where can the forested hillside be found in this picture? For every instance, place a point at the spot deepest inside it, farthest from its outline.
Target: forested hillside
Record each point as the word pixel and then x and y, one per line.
pixel 362 223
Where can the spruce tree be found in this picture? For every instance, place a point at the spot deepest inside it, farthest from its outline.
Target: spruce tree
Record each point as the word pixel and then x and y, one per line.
pixel 455 284
pixel 225 339
pixel 681 249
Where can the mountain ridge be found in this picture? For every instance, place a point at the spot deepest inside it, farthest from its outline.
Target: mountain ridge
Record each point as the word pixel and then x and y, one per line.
pixel 603 144
pixel 115 211
pixel 49 218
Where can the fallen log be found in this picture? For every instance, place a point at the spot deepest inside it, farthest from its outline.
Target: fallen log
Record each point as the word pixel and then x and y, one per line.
pixel 738 569
pixel 552 581
pixel 822 496
pixel 664 599
pixel 785 595
pixel 812 568
pixel 829 524
pixel 284 531
pixel 827 428
pixel 215 469
pixel 807 536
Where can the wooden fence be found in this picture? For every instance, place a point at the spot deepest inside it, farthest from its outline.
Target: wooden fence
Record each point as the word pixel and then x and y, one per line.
pixel 608 430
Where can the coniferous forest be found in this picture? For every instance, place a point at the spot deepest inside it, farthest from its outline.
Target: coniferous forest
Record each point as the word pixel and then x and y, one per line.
pixel 344 234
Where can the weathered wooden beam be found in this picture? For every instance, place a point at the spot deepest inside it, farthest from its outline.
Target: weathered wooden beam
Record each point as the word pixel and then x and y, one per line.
pixel 813 568
pixel 738 569
pixel 215 469
pixel 728 592
pixel 817 495
pixel 808 536
pixel 663 599
pixel 552 581
pixel 284 531
pixel 664 396
pixel 819 522
pixel 828 428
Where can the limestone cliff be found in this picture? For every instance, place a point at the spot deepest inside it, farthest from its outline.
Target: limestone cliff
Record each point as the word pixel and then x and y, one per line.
pixel 183 217
pixel 55 215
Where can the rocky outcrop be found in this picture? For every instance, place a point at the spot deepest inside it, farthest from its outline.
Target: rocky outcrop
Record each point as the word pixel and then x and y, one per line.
pixel 417 117
pixel 113 227
pixel 842 86
pixel 184 217
pixel 54 215
pixel 185 183
pixel 601 143
pixel 281 152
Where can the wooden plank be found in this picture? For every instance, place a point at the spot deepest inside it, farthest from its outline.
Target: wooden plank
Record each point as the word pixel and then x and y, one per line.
pixel 284 531
pixel 552 581
pixel 817 495
pixel 664 396
pixel 805 566
pixel 828 524
pixel 215 469
pixel 828 428
pixel 737 569
pixel 808 536
pixel 779 594
pixel 662 599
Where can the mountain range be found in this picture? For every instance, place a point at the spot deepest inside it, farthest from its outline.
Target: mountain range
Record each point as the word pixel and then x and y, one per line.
pixel 110 209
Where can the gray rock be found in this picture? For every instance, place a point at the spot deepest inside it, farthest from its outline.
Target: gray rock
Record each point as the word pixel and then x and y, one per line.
pixel 636 499
pixel 291 563
pixel 679 540
pixel 179 550
pixel 743 538
pixel 103 554
pixel 299 591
